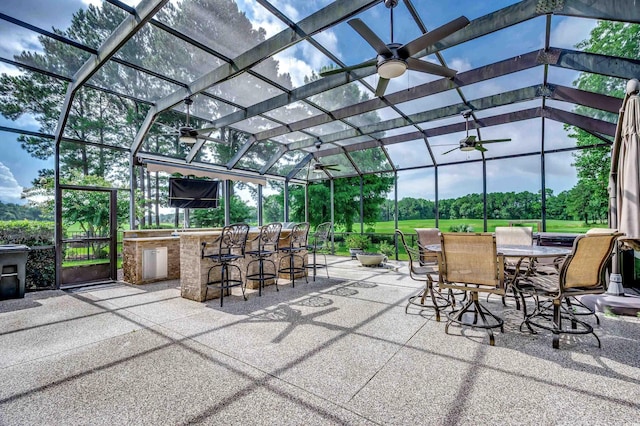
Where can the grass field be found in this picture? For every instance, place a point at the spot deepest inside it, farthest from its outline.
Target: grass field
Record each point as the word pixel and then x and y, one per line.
pixel 408 226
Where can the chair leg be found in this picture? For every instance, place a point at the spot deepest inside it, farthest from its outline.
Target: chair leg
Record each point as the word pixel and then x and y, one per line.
pixel 474 306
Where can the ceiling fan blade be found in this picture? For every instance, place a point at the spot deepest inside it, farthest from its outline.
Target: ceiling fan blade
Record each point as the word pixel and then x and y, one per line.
pixel 451 150
pixel 207 129
pixel 365 32
pixel 480 148
pixel 494 140
pixel 345 69
pixel 432 37
pixel 430 68
pixel 382 86
pixel 209 138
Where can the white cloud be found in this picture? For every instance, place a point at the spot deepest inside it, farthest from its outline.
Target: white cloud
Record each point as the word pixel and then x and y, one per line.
pixel 570 31
pixel 459 64
pixel 10 190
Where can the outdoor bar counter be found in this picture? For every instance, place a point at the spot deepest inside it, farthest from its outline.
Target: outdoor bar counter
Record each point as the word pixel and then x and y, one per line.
pixel 183 253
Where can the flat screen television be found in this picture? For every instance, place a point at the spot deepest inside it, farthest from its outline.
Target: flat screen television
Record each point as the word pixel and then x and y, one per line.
pixel 193 193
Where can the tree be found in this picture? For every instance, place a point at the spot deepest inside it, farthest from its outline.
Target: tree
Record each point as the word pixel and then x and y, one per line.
pixel 238 211
pixel 593 164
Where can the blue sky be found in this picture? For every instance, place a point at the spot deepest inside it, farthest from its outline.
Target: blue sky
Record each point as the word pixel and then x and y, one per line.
pixel 17 168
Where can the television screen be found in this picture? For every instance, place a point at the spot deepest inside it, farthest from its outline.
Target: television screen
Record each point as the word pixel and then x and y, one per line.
pixel 193 193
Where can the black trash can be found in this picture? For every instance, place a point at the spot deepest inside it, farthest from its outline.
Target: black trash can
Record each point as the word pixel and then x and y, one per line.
pixel 13 261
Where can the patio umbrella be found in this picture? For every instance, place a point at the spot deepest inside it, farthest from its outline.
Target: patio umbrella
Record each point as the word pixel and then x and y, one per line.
pixel 624 180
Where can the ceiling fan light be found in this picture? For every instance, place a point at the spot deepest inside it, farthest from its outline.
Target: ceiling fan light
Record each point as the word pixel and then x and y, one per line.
pixel 392 68
pixel 467 148
pixel 187 139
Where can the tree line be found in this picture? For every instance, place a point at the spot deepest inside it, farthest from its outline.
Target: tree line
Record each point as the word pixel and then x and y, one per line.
pixel 12 211
pixel 574 204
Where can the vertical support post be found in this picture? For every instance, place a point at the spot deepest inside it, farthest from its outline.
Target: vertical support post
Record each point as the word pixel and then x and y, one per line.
pixel 306 202
pixel 58 218
pixel 227 202
pixel 260 220
pixel 113 234
pixel 286 200
pixel 132 192
pixel 395 215
pixel 361 205
pixel 333 219
pixel 543 185
pixel 437 212
pixel 484 192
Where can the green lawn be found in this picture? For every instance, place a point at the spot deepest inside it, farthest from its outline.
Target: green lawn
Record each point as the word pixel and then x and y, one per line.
pixel 408 226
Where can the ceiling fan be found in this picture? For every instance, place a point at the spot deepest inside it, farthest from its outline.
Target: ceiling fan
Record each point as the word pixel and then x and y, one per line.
pixel 187 134
pixel 469 143
pixel 395 58
pixel 318 167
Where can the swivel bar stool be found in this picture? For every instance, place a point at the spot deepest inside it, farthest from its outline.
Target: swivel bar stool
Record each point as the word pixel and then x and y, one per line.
pixel 319 246
pixel 227 248
pixel 267 248
pixel 297 244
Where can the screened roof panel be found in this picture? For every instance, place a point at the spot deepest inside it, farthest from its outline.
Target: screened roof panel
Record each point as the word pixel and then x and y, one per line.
pixel 409 154
pixel 294 66
pixel 258 155
pixel 341 96
pixel 255 125
pixel 450 97
pixel 568 31
pixel 287 162
pixel 371 160
pixel 502 44
pixel 503 84
pixel 291 137
pixel 119 78
pixel 228 30
pixel 208 108
pixel 158 50
pixel 353 141
pixel 244 89
pixel 372 117
pixel 329 128
pixel 35 46
pixel 293 112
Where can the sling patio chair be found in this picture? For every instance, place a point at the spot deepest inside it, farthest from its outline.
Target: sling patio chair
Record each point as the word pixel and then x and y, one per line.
pixel 471 262
pixel 429 297
pixel 583 272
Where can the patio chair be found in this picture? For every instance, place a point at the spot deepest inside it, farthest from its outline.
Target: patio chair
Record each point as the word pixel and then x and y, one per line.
pixel 228 248
pixel 320 246
pixel 429 297
pixel 583 272
pixel 426 237
pixel 297 244
pixel 267 248
pixel 470 262
pixel 516 236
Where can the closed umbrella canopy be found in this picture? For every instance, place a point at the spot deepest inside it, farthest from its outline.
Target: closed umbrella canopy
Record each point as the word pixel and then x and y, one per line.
pixel 627 187
pixel 624 182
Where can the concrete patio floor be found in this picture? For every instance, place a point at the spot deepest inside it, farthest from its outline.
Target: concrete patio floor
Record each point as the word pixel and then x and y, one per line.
pixel 333 351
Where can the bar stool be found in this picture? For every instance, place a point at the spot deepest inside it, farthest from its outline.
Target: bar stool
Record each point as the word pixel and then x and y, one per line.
pixel 228 247
pixel 293 251
pixel 319 246
pixel 267 240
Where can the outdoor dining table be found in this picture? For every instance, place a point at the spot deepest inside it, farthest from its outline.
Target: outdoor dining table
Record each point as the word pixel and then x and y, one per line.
pixel 522 251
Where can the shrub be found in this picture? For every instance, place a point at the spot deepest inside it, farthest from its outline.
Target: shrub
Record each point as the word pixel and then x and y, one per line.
pixel 461 228
pixel 38 236
pixel 386 249
pixel 357 241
